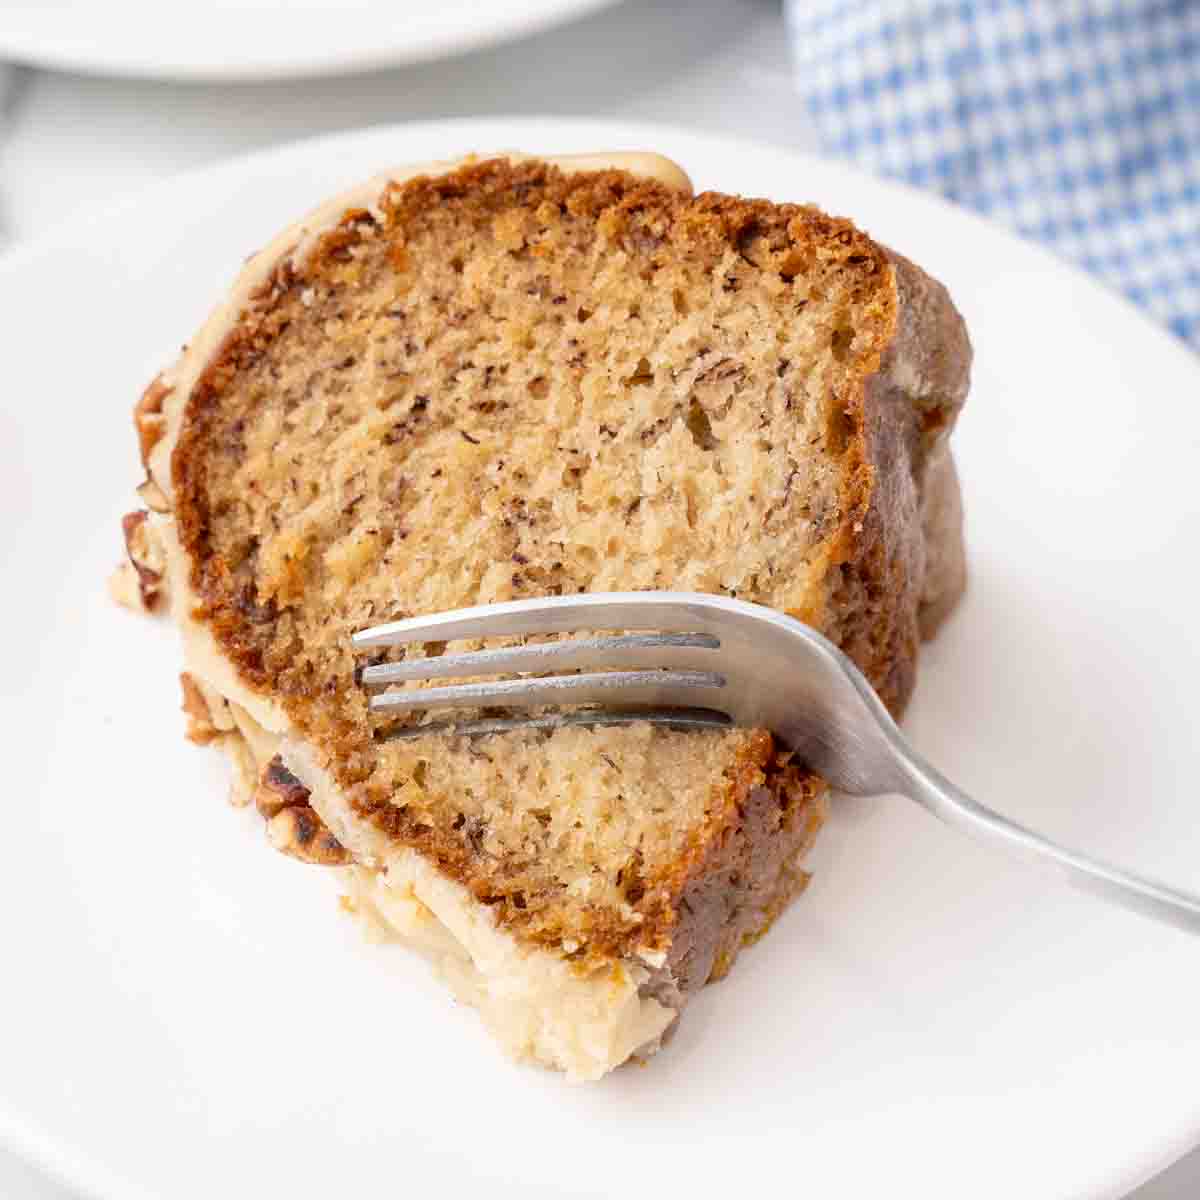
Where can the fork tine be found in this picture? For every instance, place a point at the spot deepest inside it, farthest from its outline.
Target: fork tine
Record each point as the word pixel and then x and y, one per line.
pixel 679 611
pixel 674 718
pixel 639 650
pixel 674 688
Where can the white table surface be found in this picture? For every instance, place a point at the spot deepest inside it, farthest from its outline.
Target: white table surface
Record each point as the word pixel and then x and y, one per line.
pixel 74 144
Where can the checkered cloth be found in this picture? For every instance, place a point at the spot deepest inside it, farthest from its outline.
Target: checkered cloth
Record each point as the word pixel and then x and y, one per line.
pixel 1076 122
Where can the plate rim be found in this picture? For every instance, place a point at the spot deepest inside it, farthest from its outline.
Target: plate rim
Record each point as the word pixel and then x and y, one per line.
pixel 62 1163
pixel 82 1171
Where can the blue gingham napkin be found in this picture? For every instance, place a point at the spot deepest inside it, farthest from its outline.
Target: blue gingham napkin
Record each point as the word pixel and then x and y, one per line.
pixel 1076 122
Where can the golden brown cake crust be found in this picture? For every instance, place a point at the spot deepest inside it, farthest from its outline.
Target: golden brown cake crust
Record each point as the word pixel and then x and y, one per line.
pixel 745 869
pixel 868 577
pixel 879 602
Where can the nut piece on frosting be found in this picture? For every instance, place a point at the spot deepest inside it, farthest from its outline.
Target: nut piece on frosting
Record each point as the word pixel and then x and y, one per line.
pixel 152 496
pixel 293 827
pixel 148 417
pixel 300 833
pixel 147 558
pixel 207 713
pixel 125 588
pixel 278 789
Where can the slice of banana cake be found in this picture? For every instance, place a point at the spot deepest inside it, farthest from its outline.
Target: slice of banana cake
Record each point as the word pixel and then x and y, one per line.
pixel 494 379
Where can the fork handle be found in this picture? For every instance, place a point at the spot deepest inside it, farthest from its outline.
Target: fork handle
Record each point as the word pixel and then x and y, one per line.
pixel 932 790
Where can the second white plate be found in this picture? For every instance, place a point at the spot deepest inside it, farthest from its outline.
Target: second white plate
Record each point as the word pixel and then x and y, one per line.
pixel 263 39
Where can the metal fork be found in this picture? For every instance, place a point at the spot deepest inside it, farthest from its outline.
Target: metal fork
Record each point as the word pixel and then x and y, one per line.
pixel 713 662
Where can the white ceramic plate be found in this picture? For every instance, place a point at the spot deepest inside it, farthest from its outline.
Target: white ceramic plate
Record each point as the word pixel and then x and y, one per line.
pixel 262 39
pixel 184 1011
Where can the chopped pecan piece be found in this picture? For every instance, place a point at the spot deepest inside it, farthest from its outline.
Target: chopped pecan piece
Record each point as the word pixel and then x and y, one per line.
pixel 146 554
pixel 125 587
pixel 208 714
pixel 278 789
pixel 152 496
pixel 298 831
pixel 293 827
pixel 148 417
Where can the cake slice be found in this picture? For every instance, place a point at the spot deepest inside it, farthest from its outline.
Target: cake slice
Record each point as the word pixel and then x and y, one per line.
pixel 486 380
